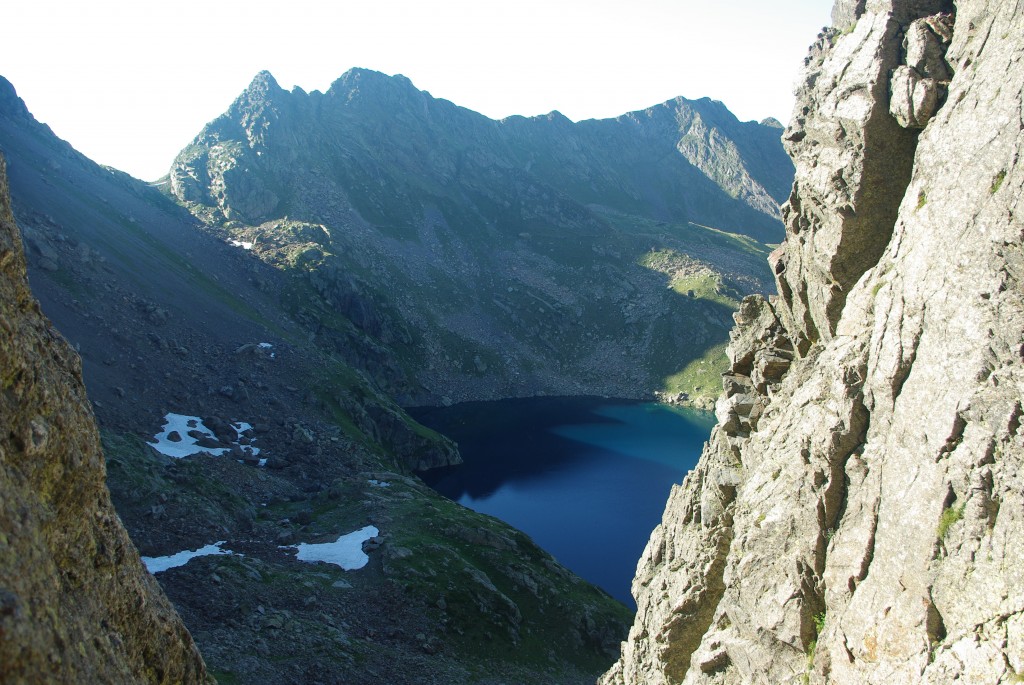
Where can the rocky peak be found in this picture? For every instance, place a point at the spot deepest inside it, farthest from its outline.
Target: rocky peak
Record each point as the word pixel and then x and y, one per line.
pixel 856 515
pixel 375 89
pixel 264 82
pixel 11 105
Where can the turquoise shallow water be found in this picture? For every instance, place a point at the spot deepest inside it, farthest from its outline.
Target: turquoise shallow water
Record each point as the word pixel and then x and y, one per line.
pixel 586 478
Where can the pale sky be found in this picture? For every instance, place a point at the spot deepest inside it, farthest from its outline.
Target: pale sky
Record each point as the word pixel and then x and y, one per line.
pixel 131 82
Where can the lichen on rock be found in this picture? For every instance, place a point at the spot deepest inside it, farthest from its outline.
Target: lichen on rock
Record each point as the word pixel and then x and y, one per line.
pixel 76 603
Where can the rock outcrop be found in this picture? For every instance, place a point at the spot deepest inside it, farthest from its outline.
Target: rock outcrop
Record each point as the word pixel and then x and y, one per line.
pixel 858 514
pixel 76 604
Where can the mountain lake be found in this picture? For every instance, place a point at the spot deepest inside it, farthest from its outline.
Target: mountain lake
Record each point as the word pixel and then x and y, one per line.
pixel 586 477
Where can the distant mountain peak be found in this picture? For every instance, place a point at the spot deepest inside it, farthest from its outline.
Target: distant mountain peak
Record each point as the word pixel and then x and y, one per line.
pixel 264 77
pixel 359 76
pixel 10 104
pixel 262 84
pixel 555 116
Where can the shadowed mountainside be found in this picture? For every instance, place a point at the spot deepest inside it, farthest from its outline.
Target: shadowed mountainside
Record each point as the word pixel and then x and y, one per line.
pixel 170 319
pixel 498 258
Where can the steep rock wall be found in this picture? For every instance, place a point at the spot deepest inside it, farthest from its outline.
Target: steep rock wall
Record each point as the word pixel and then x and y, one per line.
pixel 858 514
pixel 76 604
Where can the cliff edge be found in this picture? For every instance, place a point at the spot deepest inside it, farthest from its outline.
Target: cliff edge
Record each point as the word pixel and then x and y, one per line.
pixel 76 603
pixel 858 513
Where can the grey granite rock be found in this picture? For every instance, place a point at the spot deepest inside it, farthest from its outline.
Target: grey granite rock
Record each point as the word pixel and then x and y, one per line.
pixel 918 88
pixel 868 526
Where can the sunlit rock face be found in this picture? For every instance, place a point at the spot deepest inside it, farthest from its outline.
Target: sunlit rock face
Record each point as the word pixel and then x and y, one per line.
pixel 857 516
pixel 76 604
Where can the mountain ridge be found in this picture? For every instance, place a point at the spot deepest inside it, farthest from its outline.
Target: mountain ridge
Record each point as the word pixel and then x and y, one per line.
pixel 368 88
pixel 411 195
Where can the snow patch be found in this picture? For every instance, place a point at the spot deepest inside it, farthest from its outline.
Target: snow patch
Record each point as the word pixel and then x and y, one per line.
pixel 158 564
pixel 180 425
pixel 379 483
pixel 346 551
pixel 242 244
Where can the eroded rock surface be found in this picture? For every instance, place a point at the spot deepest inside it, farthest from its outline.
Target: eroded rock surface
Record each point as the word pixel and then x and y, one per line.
pixel 76 604
pixel 857 515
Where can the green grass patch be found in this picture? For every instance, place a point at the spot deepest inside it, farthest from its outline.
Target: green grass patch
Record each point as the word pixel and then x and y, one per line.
pixel 997 182
pixel 709 287
pixel 922 199
pixel 819 623
pixel 950 515
pixel 506 599
pixel 702 377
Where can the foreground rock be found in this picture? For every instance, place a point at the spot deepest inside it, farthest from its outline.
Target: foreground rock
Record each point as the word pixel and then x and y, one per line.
pixel 857 515
pixel 76 604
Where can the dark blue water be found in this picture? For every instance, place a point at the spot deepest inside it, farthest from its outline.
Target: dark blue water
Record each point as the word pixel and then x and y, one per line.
pixel 586 478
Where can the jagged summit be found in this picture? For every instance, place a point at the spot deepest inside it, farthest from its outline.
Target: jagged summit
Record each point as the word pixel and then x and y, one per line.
pixel 264 80
pixel 752 174
pixel 11 105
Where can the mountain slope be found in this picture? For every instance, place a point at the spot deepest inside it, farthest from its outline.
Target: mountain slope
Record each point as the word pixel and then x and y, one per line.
pixel 169 320
pixel 857 514
pixel 154 304
pixel 497 258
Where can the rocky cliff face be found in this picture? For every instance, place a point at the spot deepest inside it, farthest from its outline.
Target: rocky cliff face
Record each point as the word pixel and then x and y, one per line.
pixel 76 604
pixel 857 515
